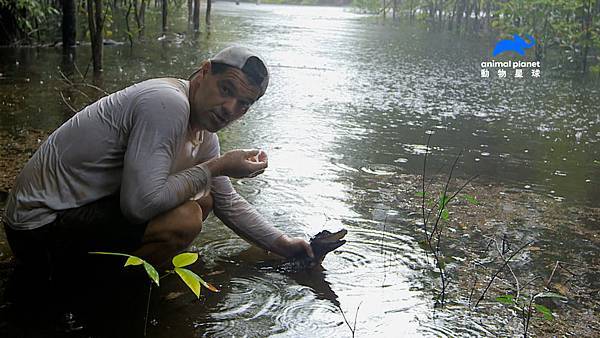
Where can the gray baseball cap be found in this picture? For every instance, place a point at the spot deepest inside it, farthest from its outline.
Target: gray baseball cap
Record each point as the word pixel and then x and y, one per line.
pixel 247 61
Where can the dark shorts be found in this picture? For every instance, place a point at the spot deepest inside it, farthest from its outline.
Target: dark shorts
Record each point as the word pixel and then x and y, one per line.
pixel 98 226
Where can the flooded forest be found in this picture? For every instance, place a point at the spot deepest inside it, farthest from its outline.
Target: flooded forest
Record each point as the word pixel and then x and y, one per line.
pixel 457 143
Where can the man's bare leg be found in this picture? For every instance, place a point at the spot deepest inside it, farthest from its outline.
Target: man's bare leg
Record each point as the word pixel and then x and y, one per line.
pixel 173 231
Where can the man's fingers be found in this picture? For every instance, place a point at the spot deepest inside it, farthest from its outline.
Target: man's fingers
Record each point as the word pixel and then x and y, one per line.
pixel 309 250
pixel 254 174
pixel 251 153
pixel 262 156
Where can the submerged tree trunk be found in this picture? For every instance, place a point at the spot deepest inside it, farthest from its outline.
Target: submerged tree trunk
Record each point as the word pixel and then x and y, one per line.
pixel 140 15
pixel 190 9
pixel 588 18
pixel 196 15
pixel 208 8
pixel 165 8
pixel 69 25
pixel 96 25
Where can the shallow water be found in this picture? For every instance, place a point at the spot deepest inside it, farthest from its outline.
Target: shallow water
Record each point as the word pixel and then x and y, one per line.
pixel 344 122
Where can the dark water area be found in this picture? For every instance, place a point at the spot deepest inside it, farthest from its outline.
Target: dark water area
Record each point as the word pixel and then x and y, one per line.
pixel 344 123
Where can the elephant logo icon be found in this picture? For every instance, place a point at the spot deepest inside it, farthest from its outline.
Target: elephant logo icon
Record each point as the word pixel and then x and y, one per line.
pixel 517 45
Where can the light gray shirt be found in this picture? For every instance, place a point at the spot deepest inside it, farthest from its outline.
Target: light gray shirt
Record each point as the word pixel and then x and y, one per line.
pixel 137 140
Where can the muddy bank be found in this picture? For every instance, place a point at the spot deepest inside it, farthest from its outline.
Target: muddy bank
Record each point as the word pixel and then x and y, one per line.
pixel 15 150
pixel 562 257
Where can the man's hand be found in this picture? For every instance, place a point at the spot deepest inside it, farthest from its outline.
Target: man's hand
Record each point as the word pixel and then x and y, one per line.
pixel 292 246
pixel 239 163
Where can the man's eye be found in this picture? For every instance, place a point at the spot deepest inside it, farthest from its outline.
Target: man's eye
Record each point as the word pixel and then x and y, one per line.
pixel 225 91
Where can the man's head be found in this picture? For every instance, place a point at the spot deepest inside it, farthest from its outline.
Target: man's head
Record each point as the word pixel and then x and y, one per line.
pixel 224 87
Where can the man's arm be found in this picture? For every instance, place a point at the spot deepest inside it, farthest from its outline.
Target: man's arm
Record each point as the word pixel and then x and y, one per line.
pixel 240 216
pixel 148 188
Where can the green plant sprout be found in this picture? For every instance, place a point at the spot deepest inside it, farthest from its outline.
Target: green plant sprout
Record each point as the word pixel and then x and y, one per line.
pixel 527 307
pixel 191 279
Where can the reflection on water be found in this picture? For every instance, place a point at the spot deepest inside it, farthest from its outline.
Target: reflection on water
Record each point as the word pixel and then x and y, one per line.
pixel 343 123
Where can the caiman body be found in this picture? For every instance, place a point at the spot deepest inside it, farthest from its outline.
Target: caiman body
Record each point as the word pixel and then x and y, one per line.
pixel 322 243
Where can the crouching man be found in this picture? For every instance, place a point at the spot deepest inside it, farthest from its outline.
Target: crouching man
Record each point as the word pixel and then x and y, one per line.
pixel 139 170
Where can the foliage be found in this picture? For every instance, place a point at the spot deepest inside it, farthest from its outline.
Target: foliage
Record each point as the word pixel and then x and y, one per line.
pixel 567 25
pixel 569 28
pixel 367 6
pixel 29 15
pixel 528 305
pixel 189 278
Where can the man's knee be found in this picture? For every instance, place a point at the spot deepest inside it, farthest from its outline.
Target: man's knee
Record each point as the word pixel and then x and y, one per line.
pixel 178 227
pixel 206 203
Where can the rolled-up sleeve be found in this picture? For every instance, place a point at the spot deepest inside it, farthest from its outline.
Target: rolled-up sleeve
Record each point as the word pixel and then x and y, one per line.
pixel 148 187
pixel 236 213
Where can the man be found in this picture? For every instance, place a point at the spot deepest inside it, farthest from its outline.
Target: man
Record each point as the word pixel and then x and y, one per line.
pixel 139 170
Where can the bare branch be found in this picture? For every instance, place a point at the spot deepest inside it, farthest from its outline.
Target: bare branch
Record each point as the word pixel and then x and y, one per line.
pixel 500 270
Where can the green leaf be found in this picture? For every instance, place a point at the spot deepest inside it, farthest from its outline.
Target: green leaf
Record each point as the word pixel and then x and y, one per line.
pixel 441 263
pixel 445 214
pixel 443 202
pixel 421 194
pixel 152 273
pixel 471 199
pixel 506 299
pixel 550 295
pixel 208 285
pixel 423 244
pixel 190 279
pixel 132 260
pixel 185 259
pixel 545 311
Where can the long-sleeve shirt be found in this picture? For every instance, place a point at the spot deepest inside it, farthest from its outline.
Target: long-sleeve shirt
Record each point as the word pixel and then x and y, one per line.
pixel 137 140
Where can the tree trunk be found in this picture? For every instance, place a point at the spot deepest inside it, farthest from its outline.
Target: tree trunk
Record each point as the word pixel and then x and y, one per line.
pixel 196 15
pixel 394 10
pixel 139 14
pixel 165 8
pixel 190 9
pixel 208 8
pixel 69 25
pixel 96 24
pixel 588 34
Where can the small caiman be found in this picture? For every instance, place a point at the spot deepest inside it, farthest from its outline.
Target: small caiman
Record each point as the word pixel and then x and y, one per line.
pixel 322 243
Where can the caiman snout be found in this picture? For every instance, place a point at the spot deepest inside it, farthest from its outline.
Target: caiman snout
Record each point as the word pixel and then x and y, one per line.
pixel 325 241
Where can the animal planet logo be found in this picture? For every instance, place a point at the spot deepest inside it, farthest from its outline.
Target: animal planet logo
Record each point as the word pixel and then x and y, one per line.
pixel 517 45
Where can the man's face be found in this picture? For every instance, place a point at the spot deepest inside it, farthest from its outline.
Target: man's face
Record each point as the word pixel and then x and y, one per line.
pixel 216 100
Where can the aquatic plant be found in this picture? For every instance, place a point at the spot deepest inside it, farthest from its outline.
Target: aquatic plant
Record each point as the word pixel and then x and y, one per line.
pixel 526 306
pixel 189 278
pixel 439 206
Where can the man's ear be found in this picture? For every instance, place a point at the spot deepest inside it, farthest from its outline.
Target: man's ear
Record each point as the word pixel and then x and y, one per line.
pixel 205 68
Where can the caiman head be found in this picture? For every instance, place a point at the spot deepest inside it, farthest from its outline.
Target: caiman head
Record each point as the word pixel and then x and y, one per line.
pixel 325 241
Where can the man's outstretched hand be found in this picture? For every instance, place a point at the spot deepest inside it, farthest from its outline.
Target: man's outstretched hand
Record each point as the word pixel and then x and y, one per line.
pixel 292 246
pixel 239 163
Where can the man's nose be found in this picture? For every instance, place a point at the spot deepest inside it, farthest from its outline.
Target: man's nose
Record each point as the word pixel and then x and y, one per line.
pixel 231 107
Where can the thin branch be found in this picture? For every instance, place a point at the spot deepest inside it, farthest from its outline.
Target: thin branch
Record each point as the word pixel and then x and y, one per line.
pixel 444 203
pixel 67 103
pixel 423 186
pixel 355 317
pixel 501 253
pixel 346 320
pixel 500 269
pixel 147 308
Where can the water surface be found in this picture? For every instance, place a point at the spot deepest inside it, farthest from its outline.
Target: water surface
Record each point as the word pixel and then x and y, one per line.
pixel 344 123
